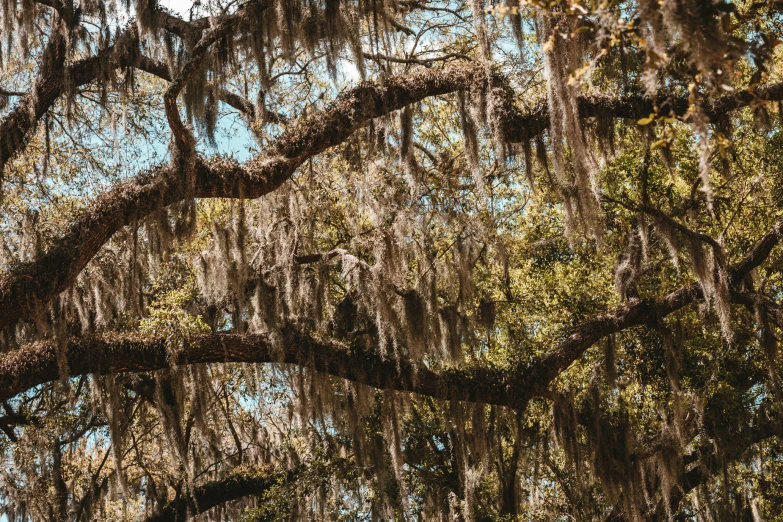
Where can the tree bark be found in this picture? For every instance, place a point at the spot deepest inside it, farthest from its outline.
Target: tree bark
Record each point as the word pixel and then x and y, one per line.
pixel 242 483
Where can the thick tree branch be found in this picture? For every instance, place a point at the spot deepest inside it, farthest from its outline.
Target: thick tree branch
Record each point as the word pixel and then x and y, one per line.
pixel 37 363
pixel 48 86
pixel 525 127
pixel 30 285
pixel 638 312
pixel 251 481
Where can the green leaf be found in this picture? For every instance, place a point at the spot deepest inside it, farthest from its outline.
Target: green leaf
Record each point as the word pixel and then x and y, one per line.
pixel 648 120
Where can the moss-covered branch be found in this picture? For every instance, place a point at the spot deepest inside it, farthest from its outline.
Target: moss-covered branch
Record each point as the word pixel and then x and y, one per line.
pixel 33 284
pixel 36 364
pixel 243 482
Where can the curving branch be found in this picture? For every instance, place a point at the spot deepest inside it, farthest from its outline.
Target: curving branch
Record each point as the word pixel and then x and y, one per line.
pixel 51 84
pixel 55 78
pixel 37 363
pixel 47 87
pixel 517 127
pixel 241 104
pixel 639 312
pixel 27 287
pixel 182 136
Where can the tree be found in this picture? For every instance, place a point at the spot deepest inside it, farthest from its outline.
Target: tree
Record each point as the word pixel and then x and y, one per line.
pixel 388 260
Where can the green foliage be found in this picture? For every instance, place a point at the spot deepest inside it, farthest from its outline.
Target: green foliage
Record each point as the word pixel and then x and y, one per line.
pixel 170 313
pixel 588 172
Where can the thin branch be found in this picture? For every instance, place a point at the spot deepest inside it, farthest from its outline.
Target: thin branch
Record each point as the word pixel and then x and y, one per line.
pixel 182 136
pixel 5 92
pixel 426 62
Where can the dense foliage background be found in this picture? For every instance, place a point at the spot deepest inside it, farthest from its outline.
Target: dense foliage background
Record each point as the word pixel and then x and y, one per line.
pixel 391 260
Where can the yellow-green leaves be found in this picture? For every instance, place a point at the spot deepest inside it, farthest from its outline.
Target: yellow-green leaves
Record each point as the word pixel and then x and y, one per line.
pixel 659 143
pixel 648 120
pixel 170 317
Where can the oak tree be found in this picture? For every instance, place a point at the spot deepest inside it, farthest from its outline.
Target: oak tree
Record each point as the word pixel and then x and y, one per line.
pixel 391 260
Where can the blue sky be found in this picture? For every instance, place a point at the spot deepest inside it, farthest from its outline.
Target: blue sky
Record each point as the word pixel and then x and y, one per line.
pixel 176 5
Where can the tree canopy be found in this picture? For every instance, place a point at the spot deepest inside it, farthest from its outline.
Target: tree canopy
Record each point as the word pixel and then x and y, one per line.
pixel 391 260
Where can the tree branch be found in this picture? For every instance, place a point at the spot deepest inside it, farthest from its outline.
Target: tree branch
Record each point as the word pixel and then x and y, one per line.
pixel 241 104
pixel 51 83
pixel 182 136
pixel 5 92
pixel 638 312
pixel 525 127
pixel 249 481
pixel 37 363
pixel 706 462
pixel 241 483
pixel 30 285
pixel 48 86
pixel 426 62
